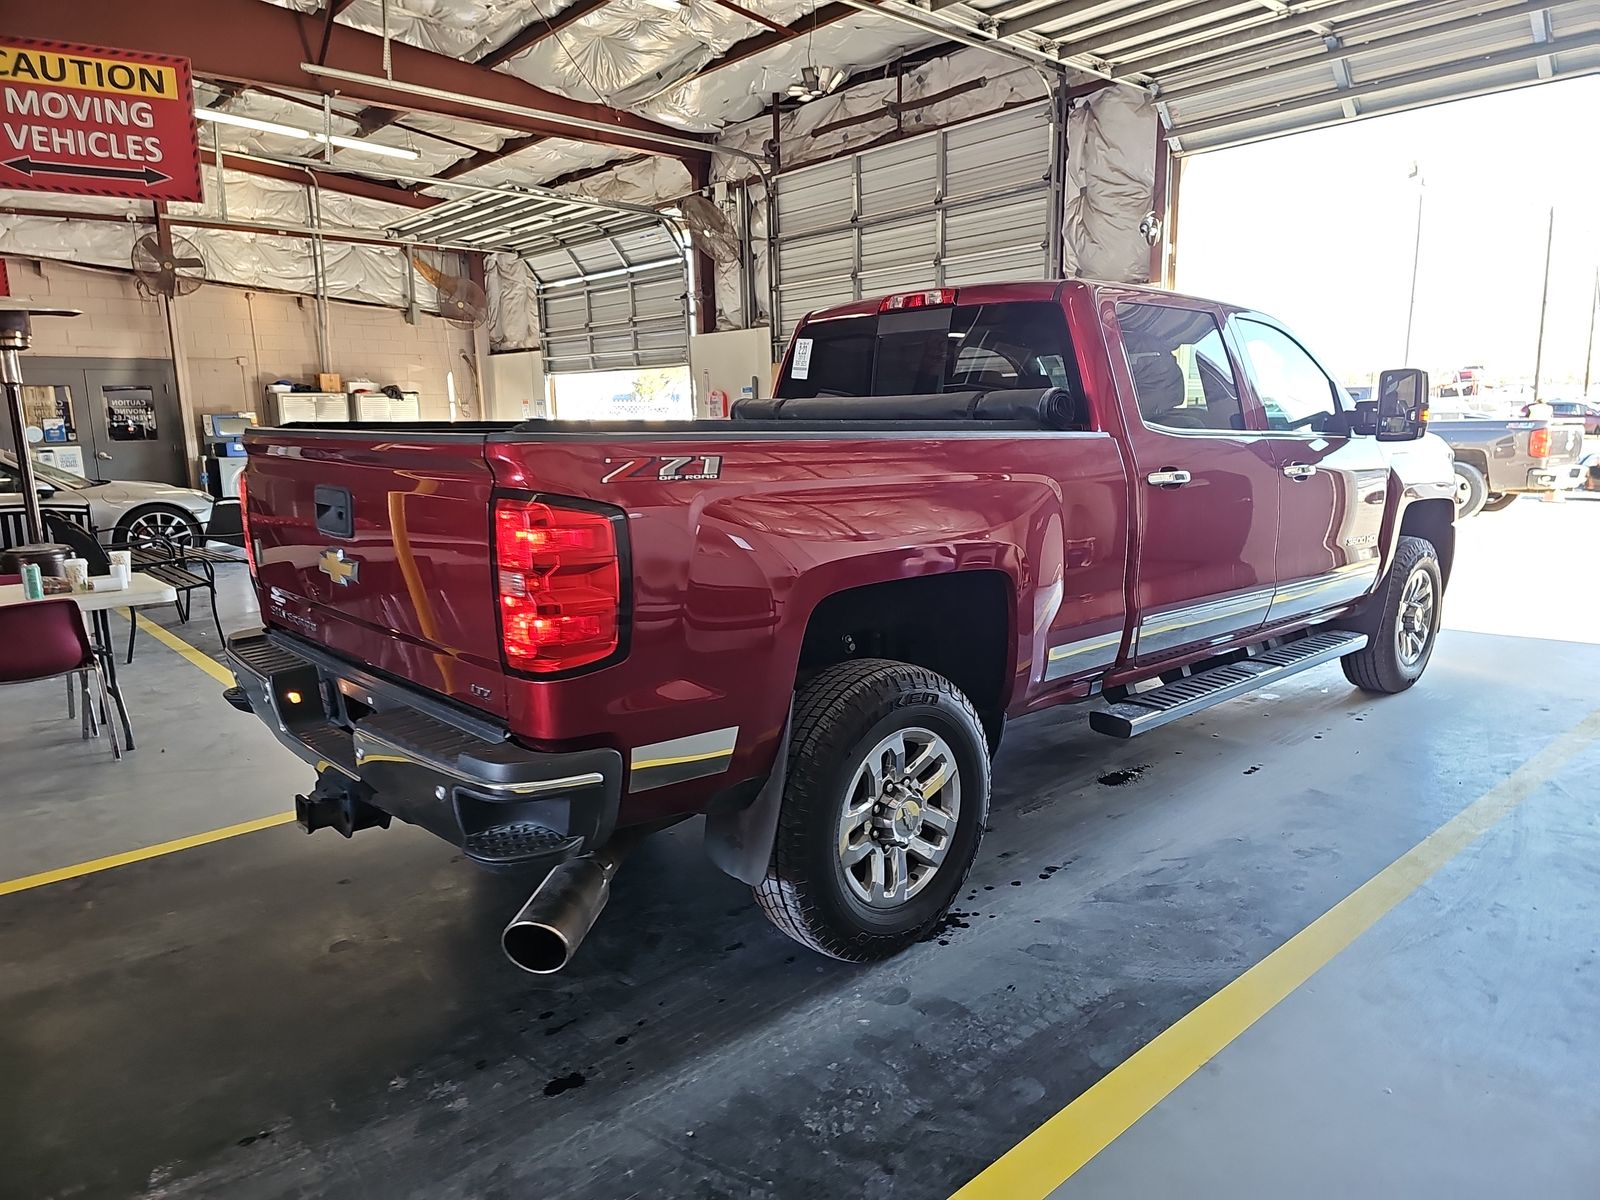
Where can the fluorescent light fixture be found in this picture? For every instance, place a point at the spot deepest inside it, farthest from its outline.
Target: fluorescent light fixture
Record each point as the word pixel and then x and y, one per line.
pixel 227 118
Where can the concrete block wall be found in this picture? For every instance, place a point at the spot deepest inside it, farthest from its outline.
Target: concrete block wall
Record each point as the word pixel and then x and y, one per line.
pixel 273 334
pixel 117 321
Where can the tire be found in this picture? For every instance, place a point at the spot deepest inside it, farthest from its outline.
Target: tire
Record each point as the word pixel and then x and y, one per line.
pixel 166 520
pixel 1396 653
pixel 1499 500
pixel 1472 489
pixel 845 715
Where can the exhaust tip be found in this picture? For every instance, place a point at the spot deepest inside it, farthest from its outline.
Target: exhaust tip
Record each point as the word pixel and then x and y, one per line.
pixel 536 948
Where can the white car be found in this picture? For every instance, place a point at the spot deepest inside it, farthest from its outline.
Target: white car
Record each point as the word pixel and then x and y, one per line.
pixel 131 508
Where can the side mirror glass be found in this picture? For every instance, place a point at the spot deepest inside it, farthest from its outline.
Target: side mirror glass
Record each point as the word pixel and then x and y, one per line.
pixel 1402 405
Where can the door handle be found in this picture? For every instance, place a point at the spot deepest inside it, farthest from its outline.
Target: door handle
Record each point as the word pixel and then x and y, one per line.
pixel 104 455
pixel 1299 472
pixel 1167 477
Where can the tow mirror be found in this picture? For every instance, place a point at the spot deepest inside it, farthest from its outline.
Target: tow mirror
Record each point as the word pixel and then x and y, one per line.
pixel 1402 405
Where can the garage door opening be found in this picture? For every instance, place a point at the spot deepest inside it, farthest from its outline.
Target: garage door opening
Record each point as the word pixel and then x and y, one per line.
pixel 1322 230
pixel 646 394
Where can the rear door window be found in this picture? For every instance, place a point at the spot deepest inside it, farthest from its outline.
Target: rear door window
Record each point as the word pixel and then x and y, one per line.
pixel 972 347
pixel 1182 378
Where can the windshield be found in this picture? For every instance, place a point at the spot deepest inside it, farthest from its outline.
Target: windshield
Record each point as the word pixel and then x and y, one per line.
pixel 54 476
pixel 970 347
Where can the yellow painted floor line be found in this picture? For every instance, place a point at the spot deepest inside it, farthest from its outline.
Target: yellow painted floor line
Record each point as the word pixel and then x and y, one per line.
pixel 1054 1152
pixel 111 861
pixel 176 644
pixel 218 672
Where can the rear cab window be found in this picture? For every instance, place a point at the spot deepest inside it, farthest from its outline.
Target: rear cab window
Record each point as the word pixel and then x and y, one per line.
pixel 925 351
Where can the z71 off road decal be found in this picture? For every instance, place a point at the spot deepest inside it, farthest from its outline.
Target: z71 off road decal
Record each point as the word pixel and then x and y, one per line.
pixel 678 468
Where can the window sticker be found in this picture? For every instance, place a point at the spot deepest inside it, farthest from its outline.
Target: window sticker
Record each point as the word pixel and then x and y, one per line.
pixel 800 365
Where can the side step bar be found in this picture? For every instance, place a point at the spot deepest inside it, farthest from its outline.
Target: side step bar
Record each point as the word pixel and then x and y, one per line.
pixel 1150 710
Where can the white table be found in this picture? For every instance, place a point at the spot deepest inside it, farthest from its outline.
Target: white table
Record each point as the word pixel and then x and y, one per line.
pixel 142 591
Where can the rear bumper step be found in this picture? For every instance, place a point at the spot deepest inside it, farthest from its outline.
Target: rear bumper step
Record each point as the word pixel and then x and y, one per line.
pixel 403 754
pixel 1151 710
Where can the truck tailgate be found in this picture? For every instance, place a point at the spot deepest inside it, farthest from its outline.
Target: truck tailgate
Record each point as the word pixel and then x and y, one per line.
pixel 375 545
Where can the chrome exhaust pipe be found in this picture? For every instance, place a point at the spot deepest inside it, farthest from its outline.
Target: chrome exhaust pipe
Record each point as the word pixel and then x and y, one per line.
pixel 547 931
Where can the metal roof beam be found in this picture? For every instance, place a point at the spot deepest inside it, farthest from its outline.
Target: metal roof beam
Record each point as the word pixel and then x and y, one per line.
pixel 263 44
pixel 367 189
pixel 537 30
pixel 827 14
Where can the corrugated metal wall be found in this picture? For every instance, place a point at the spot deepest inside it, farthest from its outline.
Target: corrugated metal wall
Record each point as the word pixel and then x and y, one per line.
pixel 967 204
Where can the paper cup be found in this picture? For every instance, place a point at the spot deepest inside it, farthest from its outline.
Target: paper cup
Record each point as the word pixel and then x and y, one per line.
pixel 121 558
pixel 122 573
pixel 77 573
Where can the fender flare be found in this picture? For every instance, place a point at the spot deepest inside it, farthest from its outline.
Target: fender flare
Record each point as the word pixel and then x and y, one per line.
pixel 739 833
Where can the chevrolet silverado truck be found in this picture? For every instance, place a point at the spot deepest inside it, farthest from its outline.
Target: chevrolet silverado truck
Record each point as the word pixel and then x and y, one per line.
pixel 1497 461
pixel 810 623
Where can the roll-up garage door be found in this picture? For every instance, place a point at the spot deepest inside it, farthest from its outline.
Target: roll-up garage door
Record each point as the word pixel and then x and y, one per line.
pixel 967 204
pixel 614 303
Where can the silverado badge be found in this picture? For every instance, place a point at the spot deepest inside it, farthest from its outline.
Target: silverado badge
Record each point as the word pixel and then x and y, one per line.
pixel 332 563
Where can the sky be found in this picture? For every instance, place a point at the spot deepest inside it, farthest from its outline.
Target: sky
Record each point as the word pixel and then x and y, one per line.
pixel 1318 228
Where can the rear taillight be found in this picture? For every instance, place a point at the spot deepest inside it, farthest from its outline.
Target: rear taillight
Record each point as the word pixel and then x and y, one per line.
pixel 244 522
pixel 559 583
pixel 934 298
pixel 1539 443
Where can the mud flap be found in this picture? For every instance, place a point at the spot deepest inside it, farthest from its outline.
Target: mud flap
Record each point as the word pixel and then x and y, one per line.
pixel 739 836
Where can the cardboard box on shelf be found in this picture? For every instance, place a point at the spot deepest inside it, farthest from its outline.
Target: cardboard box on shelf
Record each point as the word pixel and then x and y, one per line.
pixel 329 383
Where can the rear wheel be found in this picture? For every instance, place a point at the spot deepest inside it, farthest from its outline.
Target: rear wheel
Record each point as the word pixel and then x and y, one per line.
pixel 1403 623
pixel 150 521
pixel 1499 500
pixel 1471 490
pixel 886 796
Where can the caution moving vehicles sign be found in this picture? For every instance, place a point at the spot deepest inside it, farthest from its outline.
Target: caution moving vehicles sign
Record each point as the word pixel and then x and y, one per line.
pixel 96 122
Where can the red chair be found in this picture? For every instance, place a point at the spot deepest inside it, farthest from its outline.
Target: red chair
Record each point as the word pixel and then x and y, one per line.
pixel 45 639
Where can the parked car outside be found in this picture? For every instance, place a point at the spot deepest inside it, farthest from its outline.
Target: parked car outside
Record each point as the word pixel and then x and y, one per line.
pixel 1570 410
pixel 1497 461
pixel 131 509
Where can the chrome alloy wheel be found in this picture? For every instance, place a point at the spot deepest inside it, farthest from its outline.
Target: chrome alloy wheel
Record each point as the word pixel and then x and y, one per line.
pixel 160 524
pixel 1413 629
pixel 899 817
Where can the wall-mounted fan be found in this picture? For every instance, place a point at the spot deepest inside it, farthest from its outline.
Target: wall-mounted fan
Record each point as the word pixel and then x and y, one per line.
pixel 461 302
pixel 175 268
pixel 709 228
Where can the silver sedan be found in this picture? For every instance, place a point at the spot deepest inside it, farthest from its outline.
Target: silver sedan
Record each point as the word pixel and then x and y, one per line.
pixel 133 509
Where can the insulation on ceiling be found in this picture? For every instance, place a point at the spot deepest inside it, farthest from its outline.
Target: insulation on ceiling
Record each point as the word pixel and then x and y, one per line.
pixel 1111 166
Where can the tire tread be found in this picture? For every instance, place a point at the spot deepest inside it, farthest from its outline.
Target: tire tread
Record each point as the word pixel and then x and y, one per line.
pixel 820 707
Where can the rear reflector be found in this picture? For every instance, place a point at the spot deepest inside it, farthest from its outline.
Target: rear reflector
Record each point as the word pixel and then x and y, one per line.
pixel 244 521
pixel 932 299
pixel 1539 443
pixel 559 583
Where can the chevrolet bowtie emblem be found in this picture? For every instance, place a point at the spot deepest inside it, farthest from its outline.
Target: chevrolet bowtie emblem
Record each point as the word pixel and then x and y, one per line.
pixel 332 563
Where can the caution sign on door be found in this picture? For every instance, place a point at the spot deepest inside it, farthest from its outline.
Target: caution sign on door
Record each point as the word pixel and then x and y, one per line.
pixel 97 122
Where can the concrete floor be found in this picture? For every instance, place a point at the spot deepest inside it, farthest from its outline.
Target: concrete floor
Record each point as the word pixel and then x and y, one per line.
pixel 273 1015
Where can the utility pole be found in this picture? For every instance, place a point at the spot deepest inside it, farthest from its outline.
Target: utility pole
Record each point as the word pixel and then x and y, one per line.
pixel 1416 257
pixel 1588 353
pixel 1544 304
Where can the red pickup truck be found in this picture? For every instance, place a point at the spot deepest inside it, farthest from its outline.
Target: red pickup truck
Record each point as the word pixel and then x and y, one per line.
pixel 811 622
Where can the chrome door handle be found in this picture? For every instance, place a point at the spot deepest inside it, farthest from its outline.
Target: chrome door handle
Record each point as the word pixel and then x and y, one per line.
pixel 1167 477
pixel 104 455
pixel 1299 471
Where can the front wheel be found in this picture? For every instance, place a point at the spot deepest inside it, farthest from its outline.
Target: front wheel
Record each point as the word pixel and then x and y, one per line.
pixel 1499 500
pixel 886 796
pixel 1403 623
